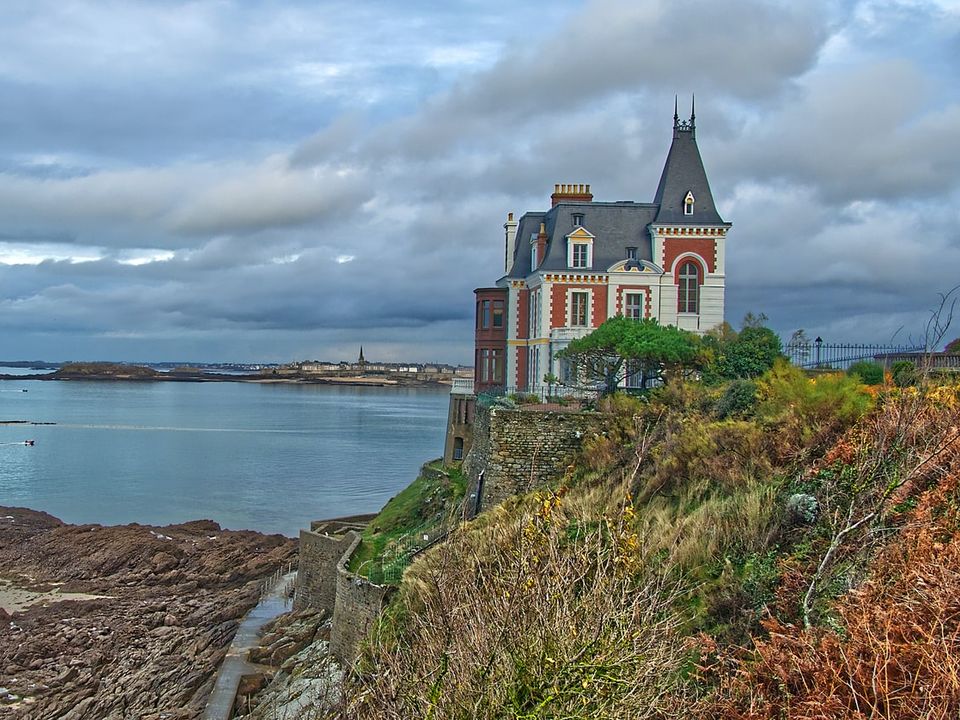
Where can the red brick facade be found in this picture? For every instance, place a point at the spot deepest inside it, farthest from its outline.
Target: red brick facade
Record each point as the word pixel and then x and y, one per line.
pixel 599 303
pixel 675 247
pixel 490 361
pixel 523 313
pixel 521 367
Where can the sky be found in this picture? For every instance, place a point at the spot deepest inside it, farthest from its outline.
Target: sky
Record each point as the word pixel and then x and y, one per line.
pixel 230 180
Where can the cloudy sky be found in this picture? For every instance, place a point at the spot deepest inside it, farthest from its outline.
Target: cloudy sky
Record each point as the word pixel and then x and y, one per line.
pixel 238 180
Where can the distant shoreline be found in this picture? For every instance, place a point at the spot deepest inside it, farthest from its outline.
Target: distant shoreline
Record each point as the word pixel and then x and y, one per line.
pixel 221 377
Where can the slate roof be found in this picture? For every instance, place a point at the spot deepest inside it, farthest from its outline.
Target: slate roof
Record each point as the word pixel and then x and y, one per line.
pixel 615 227
pixel 619 225
pixel 682 173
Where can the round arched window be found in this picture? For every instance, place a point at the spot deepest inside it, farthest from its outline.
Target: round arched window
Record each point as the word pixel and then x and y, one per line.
pixel 688 288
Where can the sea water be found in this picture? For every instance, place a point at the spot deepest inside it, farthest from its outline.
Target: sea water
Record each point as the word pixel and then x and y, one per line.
pixel 268 457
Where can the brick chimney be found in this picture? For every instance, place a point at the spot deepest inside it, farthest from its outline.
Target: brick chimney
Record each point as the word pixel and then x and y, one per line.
pixel 541 244
pixel 570 193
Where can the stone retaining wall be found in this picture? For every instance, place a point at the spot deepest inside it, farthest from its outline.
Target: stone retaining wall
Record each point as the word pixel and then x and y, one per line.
pixel 317 569
pixel 518 450
pixel 358 605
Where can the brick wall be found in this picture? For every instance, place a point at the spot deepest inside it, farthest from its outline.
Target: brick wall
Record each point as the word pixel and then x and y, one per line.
pixel 675 247
pixel 519 450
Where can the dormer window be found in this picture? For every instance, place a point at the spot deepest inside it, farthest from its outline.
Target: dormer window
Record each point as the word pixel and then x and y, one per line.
pixel 688 204
pixel 578 219
pixel 580 257
pixel 631 253
pixel 580 249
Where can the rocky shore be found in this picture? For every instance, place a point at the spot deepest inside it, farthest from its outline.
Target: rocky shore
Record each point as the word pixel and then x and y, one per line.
pixel 121 622
pixel 297 678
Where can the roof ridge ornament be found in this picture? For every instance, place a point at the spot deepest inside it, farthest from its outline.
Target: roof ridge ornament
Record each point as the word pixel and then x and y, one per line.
pixel 679 125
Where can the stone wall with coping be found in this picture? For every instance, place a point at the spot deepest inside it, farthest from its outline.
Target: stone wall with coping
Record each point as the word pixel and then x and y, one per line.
pixel 517 450
pixel 357 606
pixel 317 568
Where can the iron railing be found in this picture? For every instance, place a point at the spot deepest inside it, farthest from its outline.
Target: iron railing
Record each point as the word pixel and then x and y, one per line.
pixel 817 354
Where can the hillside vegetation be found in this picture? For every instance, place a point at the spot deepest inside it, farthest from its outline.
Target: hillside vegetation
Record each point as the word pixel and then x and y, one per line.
pixel 769 548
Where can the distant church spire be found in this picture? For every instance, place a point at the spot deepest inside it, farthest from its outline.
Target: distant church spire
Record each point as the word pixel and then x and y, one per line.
pixel 360 360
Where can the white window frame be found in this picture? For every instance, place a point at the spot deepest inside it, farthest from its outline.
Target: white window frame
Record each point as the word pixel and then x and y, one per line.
pixel 571 244
pixel 688 202
pixel 587 308
pixel 533 313
pixel 580 256
pixel 640 306
pixel 684 284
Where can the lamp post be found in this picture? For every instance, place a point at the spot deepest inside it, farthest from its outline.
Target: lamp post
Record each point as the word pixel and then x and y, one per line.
pixel 818 342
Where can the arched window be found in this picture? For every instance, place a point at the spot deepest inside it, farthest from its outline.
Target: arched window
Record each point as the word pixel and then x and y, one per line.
pixel 688 204
pixel 688 288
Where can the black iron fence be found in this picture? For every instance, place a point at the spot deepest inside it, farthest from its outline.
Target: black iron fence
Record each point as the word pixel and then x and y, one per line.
pixel 840 356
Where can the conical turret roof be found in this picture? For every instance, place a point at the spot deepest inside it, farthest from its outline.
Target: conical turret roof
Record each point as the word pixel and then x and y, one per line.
pixel 683 173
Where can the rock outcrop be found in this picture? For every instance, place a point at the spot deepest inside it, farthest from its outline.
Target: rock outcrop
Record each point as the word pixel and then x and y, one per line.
pixel 299 677
pixel 158 608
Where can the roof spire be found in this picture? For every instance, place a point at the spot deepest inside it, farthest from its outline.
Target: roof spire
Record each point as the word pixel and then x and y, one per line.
pixel 676 114
pixel 683 175
pixel 693 108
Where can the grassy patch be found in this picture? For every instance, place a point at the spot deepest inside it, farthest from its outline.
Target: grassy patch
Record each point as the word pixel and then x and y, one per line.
pixel 421 508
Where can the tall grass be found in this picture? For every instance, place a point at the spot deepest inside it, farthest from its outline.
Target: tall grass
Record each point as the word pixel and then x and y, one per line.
pixel 537 614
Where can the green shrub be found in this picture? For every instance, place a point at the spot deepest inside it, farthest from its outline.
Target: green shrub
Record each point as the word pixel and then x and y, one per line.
pixel 748 354
pixel 739 398
pixel 809 410
pixel 904 373
pixel 869 372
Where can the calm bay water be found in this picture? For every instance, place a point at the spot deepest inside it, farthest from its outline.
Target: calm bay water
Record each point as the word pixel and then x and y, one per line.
pixel 263 457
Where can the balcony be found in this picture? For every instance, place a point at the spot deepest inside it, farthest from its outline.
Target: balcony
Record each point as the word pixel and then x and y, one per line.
pixel 462 386
pixel 569 333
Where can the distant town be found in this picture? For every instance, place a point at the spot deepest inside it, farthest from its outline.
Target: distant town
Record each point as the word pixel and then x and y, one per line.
pixel 360 372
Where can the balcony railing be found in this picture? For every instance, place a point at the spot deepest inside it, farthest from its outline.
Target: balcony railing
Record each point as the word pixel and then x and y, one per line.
pixel 569 333
pixel 462 386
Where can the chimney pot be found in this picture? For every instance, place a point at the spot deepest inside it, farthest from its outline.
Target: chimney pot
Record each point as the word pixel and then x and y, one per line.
pixel 509 217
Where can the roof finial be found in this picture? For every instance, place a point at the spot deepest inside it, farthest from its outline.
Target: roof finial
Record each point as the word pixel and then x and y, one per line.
pixel 693 108
pixel 676 113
